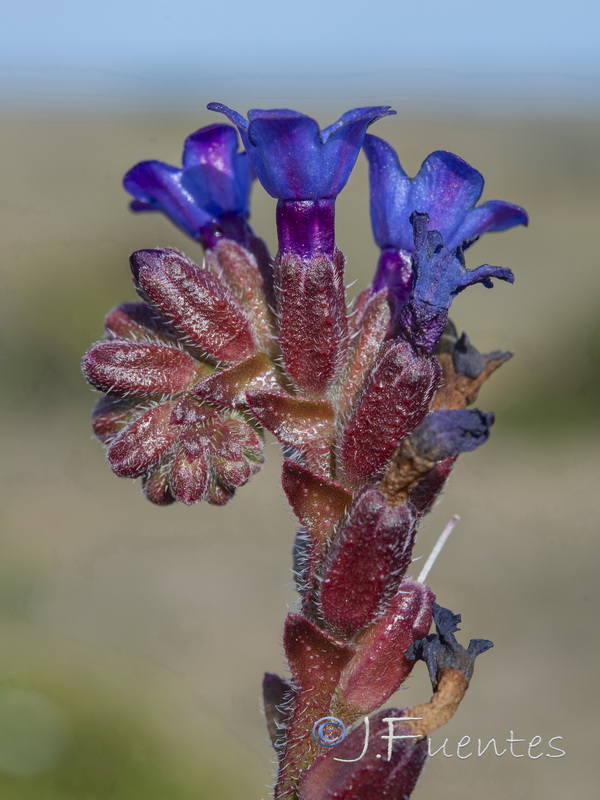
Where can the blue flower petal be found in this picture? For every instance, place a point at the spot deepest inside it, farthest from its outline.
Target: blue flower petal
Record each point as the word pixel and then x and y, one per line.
pixel 296 161
pixel 159 186
pixel 287 155
pixel 214 145
pixel 217 175
pixel 446 188
pixel 343 140
pixel 238 120
pixel 362 117
pixel 495 215
pixel 214 183
pixel 390 190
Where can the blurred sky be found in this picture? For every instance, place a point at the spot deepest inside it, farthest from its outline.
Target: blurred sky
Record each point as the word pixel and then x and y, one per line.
pixel 140 54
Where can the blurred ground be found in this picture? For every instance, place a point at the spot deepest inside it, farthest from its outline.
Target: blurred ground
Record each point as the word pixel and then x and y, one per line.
pixel 134 638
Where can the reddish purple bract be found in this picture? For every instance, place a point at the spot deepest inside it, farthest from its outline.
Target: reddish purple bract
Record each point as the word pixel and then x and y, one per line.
pixel 123 367
pixel 393 400
pixel 380 666
pixel 373 777
pixel 311 297
pixel 365 565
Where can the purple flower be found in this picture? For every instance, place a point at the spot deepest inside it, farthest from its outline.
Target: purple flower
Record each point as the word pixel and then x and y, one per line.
pixel 209 197
pixel 446 188
pixel 293 158
pixel 305 169
pixel 439 275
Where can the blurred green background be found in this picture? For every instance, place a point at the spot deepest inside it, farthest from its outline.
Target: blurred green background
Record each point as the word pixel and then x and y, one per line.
pixel 134 638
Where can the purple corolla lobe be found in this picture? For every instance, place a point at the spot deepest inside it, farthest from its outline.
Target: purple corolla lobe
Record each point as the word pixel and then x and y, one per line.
pixel 293 158
pixel 208 198
pixel 446 188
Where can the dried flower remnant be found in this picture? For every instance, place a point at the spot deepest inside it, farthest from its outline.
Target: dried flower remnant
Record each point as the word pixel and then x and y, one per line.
pixel 448 432
pixel 440 650
pixel 450 667
pixel 369 401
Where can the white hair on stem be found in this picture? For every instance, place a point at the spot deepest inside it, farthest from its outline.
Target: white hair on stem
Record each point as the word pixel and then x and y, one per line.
pixel 437 549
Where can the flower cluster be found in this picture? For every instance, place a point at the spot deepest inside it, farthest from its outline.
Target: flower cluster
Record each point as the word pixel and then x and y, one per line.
pixel 369 400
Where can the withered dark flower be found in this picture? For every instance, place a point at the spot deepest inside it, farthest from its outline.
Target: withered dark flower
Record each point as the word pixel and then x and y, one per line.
pixel 448 432
pixel 441 651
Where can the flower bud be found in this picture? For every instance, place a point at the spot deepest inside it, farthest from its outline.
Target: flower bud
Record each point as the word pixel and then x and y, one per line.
pixel 120 366
pixel 392 401
pixel 366 562
pixel 313 328
pixel 197 304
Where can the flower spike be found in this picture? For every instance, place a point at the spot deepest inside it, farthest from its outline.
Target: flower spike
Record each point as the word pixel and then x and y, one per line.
pixel 370 403
pixel 209 197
